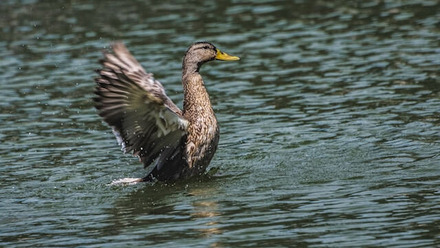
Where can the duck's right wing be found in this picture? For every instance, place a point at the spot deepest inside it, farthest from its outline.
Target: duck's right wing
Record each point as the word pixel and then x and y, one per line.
pixel 144 120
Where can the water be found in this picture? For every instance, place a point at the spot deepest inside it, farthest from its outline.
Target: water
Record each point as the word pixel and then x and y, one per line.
pixel 330 125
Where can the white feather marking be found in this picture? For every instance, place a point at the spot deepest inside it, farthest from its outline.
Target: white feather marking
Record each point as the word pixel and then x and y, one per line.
pixel 119 139
pixel 183 124
pixel 168 121
pixel 161 122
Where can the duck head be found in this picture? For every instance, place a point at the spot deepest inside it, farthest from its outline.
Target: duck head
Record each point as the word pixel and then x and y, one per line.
pixel 202 52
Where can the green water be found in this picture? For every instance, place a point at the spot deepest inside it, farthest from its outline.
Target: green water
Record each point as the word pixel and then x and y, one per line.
pixel 330 125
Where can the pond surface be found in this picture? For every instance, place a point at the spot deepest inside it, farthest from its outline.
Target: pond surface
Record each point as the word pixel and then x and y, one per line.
pixel 330 125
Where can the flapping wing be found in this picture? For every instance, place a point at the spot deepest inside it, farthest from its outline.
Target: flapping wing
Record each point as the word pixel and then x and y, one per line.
pixel 145 121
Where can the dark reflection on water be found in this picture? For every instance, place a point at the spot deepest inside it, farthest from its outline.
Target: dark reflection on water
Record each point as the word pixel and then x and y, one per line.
pixel 330 125
pixel 152 210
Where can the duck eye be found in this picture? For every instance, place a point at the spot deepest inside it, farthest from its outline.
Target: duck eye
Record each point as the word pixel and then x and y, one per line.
pixel 206 47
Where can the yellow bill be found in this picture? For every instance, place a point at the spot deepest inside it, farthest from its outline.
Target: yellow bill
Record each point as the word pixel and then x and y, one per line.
pixel 224 56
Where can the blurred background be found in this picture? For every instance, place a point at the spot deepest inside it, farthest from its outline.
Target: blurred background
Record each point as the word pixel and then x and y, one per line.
pixel 330 125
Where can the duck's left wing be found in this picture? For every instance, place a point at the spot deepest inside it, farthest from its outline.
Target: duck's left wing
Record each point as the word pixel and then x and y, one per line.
pixel 145 121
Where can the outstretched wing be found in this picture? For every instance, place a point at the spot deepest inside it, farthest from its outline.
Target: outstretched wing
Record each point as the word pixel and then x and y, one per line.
pixel 144 120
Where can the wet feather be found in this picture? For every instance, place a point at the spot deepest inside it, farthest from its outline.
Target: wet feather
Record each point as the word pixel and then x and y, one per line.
pixel 172 143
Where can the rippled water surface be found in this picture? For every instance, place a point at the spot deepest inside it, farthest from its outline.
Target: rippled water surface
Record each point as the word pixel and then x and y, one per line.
pixel 330 125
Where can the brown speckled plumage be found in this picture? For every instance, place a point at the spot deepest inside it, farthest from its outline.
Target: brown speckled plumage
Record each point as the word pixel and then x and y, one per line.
pixel 171 143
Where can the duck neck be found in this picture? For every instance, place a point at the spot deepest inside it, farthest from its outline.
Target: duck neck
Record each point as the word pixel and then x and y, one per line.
pixel 196 101
pixel 189 66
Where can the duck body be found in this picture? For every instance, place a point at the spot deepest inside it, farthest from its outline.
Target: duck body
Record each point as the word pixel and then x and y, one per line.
pixel 171 143
pixel 203 130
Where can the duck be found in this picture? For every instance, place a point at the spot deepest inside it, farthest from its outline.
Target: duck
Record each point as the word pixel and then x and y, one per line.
pixel 171 143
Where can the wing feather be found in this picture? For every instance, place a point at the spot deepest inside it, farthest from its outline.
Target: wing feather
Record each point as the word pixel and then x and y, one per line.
pixel 144 120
